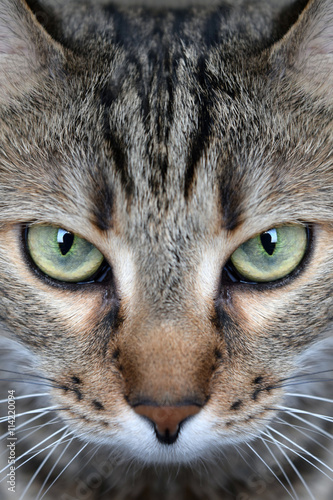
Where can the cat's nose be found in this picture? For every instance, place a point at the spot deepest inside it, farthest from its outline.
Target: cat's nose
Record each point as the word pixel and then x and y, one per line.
pixel 167 419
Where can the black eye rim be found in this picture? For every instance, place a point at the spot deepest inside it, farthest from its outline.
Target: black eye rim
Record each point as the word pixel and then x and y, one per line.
pixel 101 277
pixel 231 277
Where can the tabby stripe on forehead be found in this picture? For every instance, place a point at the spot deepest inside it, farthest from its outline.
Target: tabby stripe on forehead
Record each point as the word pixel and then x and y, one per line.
pixel 212 30
pixel 103 206
pixel 125 37
pixel 200 137
pixel 120 159
pixel 231 199
pixel 115 143
pixel 122 34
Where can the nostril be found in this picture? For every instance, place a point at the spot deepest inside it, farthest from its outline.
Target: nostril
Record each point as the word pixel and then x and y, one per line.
pixel 167 419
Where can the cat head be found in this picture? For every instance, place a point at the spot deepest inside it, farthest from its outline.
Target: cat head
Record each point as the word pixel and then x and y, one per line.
pixel 151 169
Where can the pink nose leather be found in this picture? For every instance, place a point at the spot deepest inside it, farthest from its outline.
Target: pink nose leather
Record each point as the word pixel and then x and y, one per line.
pixel 167 418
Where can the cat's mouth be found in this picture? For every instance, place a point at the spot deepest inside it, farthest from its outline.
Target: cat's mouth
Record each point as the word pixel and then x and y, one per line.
pixel 168 435
pixel 167 420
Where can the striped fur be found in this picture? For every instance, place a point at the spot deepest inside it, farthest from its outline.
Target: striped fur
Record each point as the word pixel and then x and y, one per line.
pixel 167 137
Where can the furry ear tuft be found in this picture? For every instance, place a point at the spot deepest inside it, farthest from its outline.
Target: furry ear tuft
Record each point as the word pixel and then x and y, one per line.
pixel 307 49
pixel 25 50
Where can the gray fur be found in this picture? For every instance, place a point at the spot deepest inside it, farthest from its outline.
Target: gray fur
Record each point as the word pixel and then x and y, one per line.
pixel 168 137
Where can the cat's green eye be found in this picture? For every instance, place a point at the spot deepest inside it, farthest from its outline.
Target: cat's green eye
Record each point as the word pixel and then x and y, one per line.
pixel 62 255
pixel 271 255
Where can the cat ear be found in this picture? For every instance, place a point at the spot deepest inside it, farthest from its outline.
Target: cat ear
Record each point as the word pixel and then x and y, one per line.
pixel 27 52
pixel 307 49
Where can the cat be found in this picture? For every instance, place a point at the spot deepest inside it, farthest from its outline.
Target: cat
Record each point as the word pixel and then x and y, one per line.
pixel 166 251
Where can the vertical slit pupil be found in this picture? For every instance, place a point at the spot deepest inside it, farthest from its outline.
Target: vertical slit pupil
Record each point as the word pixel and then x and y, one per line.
pixel 65 241
pixel 269 240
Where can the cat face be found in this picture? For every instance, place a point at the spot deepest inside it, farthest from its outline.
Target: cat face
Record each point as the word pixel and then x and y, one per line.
pixel 167 155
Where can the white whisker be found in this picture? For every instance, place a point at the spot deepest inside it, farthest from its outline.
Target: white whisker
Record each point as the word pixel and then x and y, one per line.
pixel 305 412
pixel 310 424
pixel 52 469
pixel 285 475
pixel 37 427
pixel 299 475
pixel 26 435
pixel 55 445
pixel 30 382
pixel 306 374
pixel 66 466
pixel 27 422
pixel 276 442
pixel 39 452
pixel 269 468
pixel 34 447
pixel 306 434
pixel 302 449
pixel 26 396
pixel 30 412
pixel 303 382
pixel 309 396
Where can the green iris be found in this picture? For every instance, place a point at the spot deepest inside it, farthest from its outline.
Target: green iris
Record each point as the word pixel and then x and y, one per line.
pixel 63 255
pixel 271 255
